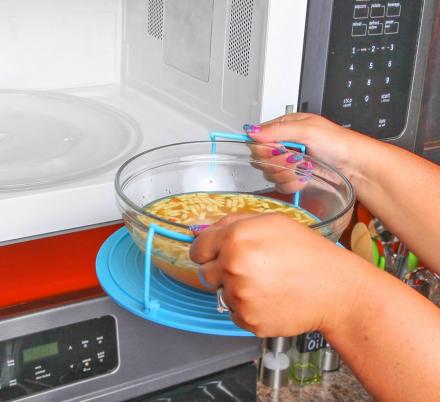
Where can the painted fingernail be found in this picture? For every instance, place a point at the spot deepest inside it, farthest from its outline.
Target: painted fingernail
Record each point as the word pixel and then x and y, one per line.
pixel 198 228
pixel 279 151
pixel 304 179
pixel 293 158
pixel 252 128
pixel 306 165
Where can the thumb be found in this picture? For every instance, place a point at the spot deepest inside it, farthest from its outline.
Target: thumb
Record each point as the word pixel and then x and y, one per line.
pixel 286 128
pixel 232 218
pixel 227 220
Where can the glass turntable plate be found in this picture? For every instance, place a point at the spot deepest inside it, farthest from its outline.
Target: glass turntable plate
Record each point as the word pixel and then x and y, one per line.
pixel 49 138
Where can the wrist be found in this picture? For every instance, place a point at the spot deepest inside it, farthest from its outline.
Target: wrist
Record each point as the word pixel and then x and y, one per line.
pixel 361 151
pixel 344 304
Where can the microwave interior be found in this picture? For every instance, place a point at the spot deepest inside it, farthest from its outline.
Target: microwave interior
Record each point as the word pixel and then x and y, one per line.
pixel 85 85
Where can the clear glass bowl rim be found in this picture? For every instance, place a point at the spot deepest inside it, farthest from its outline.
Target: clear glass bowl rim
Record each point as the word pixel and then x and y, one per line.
pixel 120 192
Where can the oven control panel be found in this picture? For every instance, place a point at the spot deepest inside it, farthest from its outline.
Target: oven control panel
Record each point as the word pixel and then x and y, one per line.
pixel 370 64
pixel 41 361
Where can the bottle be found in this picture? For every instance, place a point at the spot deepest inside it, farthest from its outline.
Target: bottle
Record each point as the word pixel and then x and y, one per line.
pixel 331 361
pixel 275 363
pixel 305 367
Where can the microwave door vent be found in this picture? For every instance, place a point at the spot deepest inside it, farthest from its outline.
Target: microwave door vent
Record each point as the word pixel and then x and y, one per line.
pixel 187 38
pixel 155 18
pixel 240 34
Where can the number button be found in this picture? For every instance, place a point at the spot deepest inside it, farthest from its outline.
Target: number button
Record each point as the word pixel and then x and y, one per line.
pixel 385 98
pixel 390 63
pixel 347 103
pixel 371 65
pixel 387 80
pixel 369 82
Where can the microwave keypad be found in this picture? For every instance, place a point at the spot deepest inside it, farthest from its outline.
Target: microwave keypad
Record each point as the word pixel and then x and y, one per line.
pixel 370 64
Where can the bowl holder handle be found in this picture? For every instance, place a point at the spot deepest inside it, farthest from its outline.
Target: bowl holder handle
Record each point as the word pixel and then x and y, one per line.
pixel 152 306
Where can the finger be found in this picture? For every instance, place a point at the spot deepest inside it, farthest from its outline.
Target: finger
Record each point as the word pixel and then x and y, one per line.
pixel 263 151
pixel 279 162
pixel 293 167
pixel 239 322
pixel 288 117
pixel 283 129
pixel 281 177
pixel 211 274
pixel 287 187
pixel 290 188
pixel 232 218
pixel 228 299
pixel 287 182
pixel 206 245
pixel 270 166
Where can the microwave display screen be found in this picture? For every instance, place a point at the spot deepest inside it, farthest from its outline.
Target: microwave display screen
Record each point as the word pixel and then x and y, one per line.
pixel 370 64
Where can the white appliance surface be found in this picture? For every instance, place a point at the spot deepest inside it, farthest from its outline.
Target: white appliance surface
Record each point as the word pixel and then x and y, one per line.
pixel 92 200
pixel 123 53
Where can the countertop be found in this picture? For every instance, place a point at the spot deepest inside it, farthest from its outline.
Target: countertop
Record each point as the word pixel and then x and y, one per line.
pixel 340 385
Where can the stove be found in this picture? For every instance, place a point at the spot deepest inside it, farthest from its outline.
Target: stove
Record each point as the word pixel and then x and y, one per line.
pixel 62 339
pixel 93 350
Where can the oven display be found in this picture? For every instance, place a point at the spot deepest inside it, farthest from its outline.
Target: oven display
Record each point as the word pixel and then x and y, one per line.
pixel 370 64
pixel 40 352
pixel 39 362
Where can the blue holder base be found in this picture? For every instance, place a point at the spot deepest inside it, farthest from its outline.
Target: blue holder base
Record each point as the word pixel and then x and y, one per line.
pixel 120 268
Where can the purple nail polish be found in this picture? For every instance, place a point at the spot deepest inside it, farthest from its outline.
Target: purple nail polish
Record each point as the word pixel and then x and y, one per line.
pixel 198 228
pixel 252 128
pixel 304 179
pixel 306 165
pixel 279 151
pixel 293 158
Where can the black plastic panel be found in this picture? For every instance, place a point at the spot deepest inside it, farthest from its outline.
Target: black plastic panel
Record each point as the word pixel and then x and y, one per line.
pixel 370 66
pixel 39 362
pixel 238 384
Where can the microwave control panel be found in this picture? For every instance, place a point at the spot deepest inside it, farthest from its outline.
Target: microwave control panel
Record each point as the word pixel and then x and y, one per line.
pixel 41 361
pixel 371 60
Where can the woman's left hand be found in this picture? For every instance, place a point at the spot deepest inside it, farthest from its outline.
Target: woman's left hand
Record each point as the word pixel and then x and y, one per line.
pixel 280 278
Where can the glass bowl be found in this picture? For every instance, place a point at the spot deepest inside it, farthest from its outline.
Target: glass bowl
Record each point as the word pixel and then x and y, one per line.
pixel 196 167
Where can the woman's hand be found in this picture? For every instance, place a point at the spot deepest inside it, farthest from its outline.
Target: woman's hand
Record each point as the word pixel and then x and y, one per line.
pixel 280 278
pixel 325 140
pixel 398 187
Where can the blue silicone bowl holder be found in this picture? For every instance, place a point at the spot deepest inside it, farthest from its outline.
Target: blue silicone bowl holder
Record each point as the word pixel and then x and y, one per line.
pixel 120 267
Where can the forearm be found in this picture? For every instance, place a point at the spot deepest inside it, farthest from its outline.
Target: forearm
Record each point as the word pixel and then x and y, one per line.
pixel 403 190
pixel 390 339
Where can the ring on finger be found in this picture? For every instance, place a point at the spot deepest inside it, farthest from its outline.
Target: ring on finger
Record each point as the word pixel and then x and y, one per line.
pixel 222 307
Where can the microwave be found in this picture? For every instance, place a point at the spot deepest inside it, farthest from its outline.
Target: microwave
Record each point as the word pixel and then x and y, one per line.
pixel 144 73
